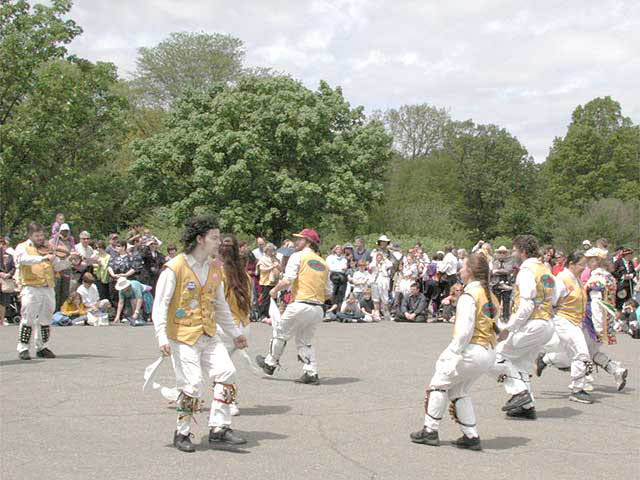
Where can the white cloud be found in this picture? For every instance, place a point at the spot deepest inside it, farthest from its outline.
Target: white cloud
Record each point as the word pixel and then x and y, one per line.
pixel 522 66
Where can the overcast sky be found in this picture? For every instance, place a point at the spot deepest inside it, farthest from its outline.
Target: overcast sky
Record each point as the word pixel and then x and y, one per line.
pixel 522 65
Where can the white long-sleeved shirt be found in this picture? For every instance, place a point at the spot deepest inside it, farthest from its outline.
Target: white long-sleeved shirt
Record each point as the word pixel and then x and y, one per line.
pixel 165 288
pixel 526 282
pixel 597 315
pixel 449 265
pixel 293 267
pixel 23 258
pixel 337 263
pixel 90 296
pixel 465 320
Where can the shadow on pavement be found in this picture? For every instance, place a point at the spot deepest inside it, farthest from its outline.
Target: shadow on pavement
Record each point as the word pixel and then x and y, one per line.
pixel 8 363
pixel 73 356
pixel 504 443
pixel 264 410
pixel 561 412
pixel 323 380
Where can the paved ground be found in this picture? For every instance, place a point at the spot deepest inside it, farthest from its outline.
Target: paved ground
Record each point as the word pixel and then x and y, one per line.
pixel 84 415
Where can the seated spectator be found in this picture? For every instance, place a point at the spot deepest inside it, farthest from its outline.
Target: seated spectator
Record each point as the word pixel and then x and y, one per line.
pixel 90 296
pixel 73 309
pixel 413 307
pixel 368 309
pixel 331 312
pixel 350 311
pixel 449 303
pixel 139 297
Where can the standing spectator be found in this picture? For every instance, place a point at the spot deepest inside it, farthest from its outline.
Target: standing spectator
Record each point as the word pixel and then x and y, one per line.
pixel 259 250
pixel 134 249
pixel 268 268
pixel 101 269
pixel 338 265
pixel 361 252
pixel 87 254
pixel 413 307
pixel 152 262
pixel 360 279
pixel 112 248
pixel 7 284
pixel 461 254
pixel 119 267
pixel 57 223
pixel 431 279
pixel 623 272
pixel 380 270
pixel 172 252
pixel 449 267
pixel 63 266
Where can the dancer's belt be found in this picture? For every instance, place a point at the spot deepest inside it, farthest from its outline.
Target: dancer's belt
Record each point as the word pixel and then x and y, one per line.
pixel 308 303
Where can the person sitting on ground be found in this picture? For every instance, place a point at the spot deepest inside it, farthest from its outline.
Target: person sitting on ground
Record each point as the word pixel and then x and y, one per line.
pixel 350 310
pixel 91 297
pixel 413 307
pixel 140 298
pixel 449 304
pixel 367 307
pixel 330 314
pixel 72 311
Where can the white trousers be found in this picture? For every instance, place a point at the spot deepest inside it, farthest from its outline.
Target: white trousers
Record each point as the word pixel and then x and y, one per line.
pixel 516 355
pixel 568 347
pixel 193 364
pixel 452 380
pixel 601 359
pixel 38 306
pixel 299 320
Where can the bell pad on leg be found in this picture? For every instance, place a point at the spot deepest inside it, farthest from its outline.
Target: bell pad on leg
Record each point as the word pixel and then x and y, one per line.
pixel 25 334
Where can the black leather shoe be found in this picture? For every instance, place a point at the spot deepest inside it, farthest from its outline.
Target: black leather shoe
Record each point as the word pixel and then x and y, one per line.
pixel 518 400
pixel 45 353
pixel 468 443
pixel 268 369
pixel 308 379
pixel 183 442
pixel 225 436
pixel 540 365
pixel 24 355
pixel 528 413
pixel 425 437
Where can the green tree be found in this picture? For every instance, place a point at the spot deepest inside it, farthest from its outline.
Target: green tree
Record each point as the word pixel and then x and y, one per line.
pixel 185 61
pixel 598 157
pixel 267 154
pixel 417 130
pixel 29 37
pixel 59 145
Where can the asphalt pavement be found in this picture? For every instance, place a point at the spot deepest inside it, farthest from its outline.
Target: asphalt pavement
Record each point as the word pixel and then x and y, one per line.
pixel 84 415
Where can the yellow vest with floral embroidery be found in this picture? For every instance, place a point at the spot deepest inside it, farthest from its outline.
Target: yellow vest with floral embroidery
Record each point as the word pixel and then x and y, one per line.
pixel 191 311
pixel 543 308
pixel 39 275
pixel 239 316
pixel 309 285
pixel 573 305
pixel 486 314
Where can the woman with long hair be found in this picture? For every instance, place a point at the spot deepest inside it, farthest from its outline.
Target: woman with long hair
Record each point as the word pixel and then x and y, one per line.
pixel 238 290
pixel 469 356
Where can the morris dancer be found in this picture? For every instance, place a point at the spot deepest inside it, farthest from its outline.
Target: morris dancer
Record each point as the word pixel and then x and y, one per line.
pixel 571 346
pixel 308 276
pixel 190 302
pixel 238 288
pixel 469 355
pixel 529 328
pixel 601 290
pixel 37 295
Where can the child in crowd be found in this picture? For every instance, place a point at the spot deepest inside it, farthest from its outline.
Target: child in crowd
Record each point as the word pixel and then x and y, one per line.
pixel 72 311
pixel 360 280
pixel 350 311
pixel 367 308
pixel 449 303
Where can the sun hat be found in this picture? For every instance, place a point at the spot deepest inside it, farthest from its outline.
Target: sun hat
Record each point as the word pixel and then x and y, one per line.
pixel 122 283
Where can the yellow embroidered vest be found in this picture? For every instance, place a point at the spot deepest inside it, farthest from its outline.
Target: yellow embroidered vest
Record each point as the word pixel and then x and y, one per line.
pixel 486 315
pixel 239 316
pixel 310 284
pixel 572 306
pixel 543 309
pixel 191 311
pixel 39 275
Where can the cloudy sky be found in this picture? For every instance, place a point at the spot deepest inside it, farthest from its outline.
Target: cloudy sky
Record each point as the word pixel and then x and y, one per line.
pixel 523 65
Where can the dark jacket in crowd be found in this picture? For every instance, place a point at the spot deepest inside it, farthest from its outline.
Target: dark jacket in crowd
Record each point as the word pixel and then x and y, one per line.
pixel 411 304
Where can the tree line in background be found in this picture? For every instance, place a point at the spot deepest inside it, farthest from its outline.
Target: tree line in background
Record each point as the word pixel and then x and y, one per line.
pixel 195 130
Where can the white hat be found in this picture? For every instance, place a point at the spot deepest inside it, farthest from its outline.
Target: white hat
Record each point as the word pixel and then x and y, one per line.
pixel 595 253
pixel 502 248
pixel 384 238
pixel 122 283
pixel 65 226
pixel 586 242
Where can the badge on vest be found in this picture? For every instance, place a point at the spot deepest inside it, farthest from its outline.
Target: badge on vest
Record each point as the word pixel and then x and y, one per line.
pixel 181 313
pixel 191 285
pixel 193 303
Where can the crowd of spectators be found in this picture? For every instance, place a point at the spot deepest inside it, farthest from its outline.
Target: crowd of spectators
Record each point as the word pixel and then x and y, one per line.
pixel 115 278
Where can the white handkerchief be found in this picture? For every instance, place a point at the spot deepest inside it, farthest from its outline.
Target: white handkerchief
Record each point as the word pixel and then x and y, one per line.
pixel 150 372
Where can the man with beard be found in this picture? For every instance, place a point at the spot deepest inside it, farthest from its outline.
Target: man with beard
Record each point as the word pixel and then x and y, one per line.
pixel 63 266
pixel 308 275
pixel 37 295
